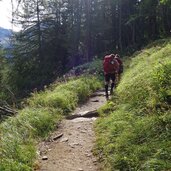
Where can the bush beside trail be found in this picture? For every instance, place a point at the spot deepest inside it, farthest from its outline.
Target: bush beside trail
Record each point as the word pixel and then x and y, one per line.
pixel 20 134
pixel 135 128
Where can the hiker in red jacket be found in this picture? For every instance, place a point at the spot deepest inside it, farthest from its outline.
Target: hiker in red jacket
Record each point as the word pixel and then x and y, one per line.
pixel 111 68
pixel 120 71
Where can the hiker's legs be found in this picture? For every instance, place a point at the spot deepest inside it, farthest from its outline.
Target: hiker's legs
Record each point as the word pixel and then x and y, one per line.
pixel 113 77
pixel 112 87
pixel 107 80
pixel 106 90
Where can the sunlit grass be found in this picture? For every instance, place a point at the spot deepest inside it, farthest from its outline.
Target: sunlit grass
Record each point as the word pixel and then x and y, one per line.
pixel 136 134
pixel 20 134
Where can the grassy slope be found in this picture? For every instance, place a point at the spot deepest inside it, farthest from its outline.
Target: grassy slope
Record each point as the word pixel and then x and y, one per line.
pixel 19 135
pixel 136 133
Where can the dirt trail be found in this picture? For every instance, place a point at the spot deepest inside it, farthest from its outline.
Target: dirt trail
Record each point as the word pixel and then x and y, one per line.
pixel 73 150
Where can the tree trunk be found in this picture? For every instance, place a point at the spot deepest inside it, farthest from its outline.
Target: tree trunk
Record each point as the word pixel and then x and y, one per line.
pixel 120 25
pixel 88 30
pixel 39 30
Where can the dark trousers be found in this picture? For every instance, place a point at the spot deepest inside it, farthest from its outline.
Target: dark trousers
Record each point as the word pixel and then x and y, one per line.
pixel 108 77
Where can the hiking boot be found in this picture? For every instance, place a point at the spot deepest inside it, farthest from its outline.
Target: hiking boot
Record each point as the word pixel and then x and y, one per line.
pixel 107 97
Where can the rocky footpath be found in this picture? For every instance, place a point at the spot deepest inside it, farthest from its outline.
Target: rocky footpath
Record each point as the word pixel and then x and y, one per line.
pixel 70 148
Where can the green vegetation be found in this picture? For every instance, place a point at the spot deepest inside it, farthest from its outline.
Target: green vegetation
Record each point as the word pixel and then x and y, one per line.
pixel 93 67
pixel 67 33
pixel 46 48
pixel 4 69
pixel 20 134
pixel 135 128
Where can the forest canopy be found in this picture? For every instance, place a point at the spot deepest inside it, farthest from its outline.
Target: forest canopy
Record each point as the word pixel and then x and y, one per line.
pixel 57 35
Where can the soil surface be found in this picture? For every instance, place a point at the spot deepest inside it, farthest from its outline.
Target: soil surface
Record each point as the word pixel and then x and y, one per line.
pixel 70 148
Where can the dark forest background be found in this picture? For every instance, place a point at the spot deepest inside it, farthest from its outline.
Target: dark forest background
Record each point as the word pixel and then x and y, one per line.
pixel 58 35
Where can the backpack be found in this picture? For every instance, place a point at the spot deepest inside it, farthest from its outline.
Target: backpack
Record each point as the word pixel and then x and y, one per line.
pixel 110 65
pixel 120 64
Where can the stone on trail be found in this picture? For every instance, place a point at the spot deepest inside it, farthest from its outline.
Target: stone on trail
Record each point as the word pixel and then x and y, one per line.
pixel 95 100
pixel 64 140
pixel 85 114
pixel 57 136
pixel 80 169
pixel 44 158
pixel 75 138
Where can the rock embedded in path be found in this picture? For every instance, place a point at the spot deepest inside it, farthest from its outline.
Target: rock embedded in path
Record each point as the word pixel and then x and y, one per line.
pixel 78 127
pixel 83 131
pixel 57 136
pixel 88 154
pixel 64 140
pixel 44 158
pixel 90 114
pixel 84 114
pixel 94 160
pixel 80 169
pixel 72 145
pixel 95 100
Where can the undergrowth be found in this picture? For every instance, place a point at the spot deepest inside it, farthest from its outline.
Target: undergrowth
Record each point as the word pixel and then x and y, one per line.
pixel 20 134
pixel 134 132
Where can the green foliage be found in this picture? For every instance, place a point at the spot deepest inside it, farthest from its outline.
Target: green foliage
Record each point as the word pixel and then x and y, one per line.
pixel 19 134
pixel 135 134
pixel 66 96
pixel 4 70
pixel 40 54
pixel 41 120
pixel 148 79
pixel 58 98
pixel 166 2
pixel 44 110
pixel 95 67
pixel 12 165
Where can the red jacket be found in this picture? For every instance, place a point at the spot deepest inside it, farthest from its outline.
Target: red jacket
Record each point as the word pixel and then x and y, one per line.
pixel 110 65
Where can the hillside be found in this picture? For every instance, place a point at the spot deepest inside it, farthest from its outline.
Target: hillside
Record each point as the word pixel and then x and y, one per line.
pixel 54 64
pixel 135 128
pixel 4 36
pixel 133 132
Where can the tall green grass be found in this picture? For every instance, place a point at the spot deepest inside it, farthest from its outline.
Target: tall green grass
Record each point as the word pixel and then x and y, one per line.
pixel 135 133
pixel 20 134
